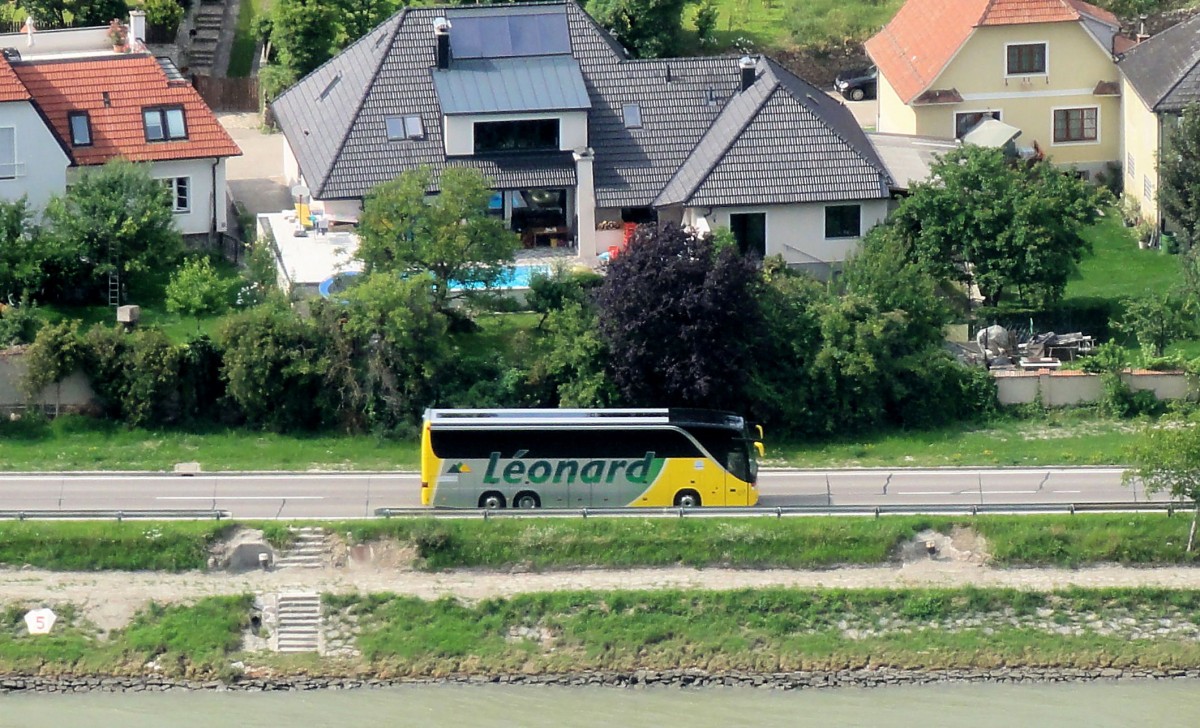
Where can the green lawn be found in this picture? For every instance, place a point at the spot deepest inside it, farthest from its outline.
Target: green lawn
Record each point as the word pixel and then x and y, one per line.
pixel 1117 269
pixel 241 55
pixel 789 24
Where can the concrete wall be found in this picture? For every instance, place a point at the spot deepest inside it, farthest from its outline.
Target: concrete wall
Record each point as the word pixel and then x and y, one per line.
pixel 64 40
pixel 1062 389
pixel 1140 137
pixel 460 130
pixel 75 393
pixel 41 162
pixel 1075 63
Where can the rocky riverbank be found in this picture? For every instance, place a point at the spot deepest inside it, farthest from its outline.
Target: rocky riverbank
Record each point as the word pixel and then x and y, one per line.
pixel 865 678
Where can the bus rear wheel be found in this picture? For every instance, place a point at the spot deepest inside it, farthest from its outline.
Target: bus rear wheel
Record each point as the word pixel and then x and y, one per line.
pixel 687 499
pixel 527 500
pixel 492 501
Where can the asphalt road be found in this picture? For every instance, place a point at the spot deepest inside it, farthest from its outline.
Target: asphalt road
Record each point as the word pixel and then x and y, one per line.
pixel 358 495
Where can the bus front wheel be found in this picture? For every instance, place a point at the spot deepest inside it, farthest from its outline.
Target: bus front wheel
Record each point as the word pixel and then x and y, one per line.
pixel 527 500
pixel 491 501
pixel 687 499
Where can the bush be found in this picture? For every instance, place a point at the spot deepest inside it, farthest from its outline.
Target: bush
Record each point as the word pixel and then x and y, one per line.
pixel 19 324
pixel 135 375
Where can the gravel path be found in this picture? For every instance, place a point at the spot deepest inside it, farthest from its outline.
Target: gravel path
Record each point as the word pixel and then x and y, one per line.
pixel 111 598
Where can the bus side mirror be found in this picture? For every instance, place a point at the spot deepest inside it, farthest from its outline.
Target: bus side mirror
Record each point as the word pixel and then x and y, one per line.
pixel 760 432
pixel 762 451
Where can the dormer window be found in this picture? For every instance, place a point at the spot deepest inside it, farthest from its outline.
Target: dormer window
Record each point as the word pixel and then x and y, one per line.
pixel 404 127
pixel 633 116
pixel 81 129
pixel 164 124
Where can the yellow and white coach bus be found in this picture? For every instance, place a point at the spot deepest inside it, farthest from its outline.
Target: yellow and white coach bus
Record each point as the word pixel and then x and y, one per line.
pixel 574 458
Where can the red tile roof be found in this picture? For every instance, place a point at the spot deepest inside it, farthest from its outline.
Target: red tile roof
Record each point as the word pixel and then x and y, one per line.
pixel 11 88
pixel 916 45
pixel 132 82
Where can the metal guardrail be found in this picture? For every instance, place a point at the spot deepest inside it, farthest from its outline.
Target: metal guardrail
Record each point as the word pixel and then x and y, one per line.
pixel 98 515
pixel 789 511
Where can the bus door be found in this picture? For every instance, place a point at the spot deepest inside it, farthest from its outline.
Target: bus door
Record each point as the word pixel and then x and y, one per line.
pixel 737 469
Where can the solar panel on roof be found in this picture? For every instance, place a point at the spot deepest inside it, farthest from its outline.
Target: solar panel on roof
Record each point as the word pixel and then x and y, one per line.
pixel 510 36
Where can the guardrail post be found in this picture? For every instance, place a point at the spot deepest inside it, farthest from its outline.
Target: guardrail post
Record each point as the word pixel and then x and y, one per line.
pixel 1071 509
pixel 120 516
pixel 21 515
pixel 974 511
pixel 778 512
pixel 681 513
pixel 487 513
pixel 877 513
pixel 1170 510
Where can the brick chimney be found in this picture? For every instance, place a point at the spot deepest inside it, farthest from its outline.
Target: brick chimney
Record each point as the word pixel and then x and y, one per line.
pixel 441 32
pixel 747 65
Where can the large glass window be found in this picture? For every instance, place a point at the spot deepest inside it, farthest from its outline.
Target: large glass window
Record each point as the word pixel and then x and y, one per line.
pixel 164 124
pixel 1026 58
pixel 535 135
pixel 843 221
pixel 1076 125
pixel 750 231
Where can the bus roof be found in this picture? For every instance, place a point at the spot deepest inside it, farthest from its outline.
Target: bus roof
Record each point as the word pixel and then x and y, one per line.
pixel 493 418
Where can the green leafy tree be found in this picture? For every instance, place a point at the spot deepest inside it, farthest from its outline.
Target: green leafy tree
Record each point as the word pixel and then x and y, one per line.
pixel 359 17
pixel 274 367
pixel 451 237
pixel 678 319
pixel 394 322
pixel 1155 320
pixel 163 13
pixel 196 290
pixel 116 217
pixel 1179 174
pixel 82 13
pixel 51 358
pixel 575 358
pixel 647 28
pixel 1166 459
pixel 303 33
pixel 24 253
pixel 986 221
pixel 706 22
pixel 551 291
pixel 135 375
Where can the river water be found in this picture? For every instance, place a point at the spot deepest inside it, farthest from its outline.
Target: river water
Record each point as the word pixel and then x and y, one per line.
pixel 976 705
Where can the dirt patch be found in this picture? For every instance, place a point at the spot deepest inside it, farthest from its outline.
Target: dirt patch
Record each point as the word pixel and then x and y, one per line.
pixel 961 546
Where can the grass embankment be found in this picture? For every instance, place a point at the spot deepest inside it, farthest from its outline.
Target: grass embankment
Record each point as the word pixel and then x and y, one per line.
pixel 186 641
pixel 797 543
pixel 775 630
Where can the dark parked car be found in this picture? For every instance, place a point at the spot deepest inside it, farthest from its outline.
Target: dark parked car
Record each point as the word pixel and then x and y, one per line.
pixel 857 84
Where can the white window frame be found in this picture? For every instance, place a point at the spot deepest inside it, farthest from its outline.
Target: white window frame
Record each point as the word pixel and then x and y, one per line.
pixel 15 165
pixel 1045 72
pixel 825 220
pixel 1081 142
pixel 954 118
pixel 172 185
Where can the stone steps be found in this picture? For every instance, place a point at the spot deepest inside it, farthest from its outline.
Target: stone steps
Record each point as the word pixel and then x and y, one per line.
pixel 298 622
pixel 307 551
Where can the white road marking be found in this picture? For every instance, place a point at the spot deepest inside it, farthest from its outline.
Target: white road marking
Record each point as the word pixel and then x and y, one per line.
pixel 929 492
pixel 239 497
pixel 1066 491
pixel 1009 492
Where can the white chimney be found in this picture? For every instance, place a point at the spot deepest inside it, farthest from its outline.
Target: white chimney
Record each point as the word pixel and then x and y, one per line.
pixel 137 30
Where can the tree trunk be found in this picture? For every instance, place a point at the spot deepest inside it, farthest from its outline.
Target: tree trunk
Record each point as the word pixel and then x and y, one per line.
pixel 1192 531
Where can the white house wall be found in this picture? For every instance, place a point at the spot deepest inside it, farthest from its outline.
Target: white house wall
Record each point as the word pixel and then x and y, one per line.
pixel 460 130
pixel 41 161
pixel 797 232
pixel 198 219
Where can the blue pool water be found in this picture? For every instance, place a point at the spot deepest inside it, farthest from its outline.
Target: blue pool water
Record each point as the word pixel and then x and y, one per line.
pixel 517 276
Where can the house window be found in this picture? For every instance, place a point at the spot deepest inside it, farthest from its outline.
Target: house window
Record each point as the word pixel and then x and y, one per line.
pixel 404 127
pixel 164 124
pixel 750 231
pixel 1147 187
pixel 843 221
pixel 8 152
pixel 1026 58
pixel 1076 125
pixel 965 121
pixel 181 193
pixel 633 116
pixel 534 135
pixel 81 129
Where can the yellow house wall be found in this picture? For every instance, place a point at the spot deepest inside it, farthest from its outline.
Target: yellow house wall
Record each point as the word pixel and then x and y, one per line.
pixel 1141 130
pixel 1075 64
pixel 895 117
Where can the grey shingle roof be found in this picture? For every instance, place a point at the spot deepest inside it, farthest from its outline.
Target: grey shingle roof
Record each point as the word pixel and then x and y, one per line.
pixel 1164 69
pixel 389 73
pixel 492 86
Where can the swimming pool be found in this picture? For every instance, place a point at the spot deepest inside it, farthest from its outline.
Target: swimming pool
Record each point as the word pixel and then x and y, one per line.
pixel 514 277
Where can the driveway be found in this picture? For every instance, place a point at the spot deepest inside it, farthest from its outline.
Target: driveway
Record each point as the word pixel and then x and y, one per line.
pixel 256 178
